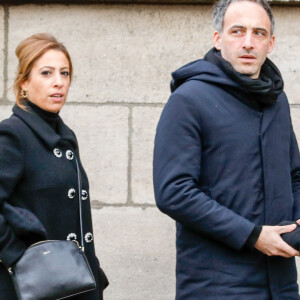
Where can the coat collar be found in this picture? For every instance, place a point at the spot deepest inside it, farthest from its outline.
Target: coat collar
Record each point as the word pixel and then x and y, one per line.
pixel 43 130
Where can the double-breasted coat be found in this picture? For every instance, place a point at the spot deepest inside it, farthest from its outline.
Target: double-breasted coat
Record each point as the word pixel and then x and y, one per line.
pixel 220 168
pixel 39 193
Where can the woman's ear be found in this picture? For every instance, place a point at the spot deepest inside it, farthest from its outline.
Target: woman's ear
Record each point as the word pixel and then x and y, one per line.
pixel 24 85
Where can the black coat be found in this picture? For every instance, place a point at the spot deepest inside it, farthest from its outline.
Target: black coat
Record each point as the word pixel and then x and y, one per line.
pixel 38 188
pixel 220 168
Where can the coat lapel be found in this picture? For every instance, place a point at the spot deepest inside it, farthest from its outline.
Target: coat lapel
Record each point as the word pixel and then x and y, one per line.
pixel 43 130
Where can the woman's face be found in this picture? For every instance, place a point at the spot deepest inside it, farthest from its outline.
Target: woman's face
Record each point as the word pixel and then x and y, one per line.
pixel 49 81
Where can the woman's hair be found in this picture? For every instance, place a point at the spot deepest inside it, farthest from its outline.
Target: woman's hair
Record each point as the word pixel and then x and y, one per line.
pixel 29 51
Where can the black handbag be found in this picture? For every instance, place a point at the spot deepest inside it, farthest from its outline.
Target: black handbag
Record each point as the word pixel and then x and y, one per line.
pixel 51 270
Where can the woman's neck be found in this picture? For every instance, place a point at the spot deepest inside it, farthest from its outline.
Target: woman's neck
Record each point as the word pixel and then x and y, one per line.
pixel 51 118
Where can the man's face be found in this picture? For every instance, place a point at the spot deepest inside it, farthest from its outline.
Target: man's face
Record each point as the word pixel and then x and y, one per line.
pixel 246 38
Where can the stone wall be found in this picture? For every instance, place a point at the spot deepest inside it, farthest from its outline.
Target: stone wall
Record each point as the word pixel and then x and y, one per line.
pixel 123 56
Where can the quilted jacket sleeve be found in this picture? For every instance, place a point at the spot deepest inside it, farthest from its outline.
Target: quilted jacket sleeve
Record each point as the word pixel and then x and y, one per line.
pixel 177 168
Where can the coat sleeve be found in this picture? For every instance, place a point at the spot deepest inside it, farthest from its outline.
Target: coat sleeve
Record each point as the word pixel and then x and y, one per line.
pixel 11 166
pixel 295 175
pixel 177 169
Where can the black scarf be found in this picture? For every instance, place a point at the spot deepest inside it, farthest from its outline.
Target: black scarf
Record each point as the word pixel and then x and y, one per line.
pixel 256 93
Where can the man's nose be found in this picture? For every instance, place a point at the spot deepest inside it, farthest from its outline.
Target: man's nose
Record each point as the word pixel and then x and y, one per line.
pixel 248 41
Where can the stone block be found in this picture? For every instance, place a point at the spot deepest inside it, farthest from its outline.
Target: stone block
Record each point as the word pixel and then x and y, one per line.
pixel 298 269
pixel 102 133
pixel 5 112
pixel 287 46
pixel 295 114
pixel 136 249
pixel 121 53
pixel 126 53
pixel 144 122
pixel 2 46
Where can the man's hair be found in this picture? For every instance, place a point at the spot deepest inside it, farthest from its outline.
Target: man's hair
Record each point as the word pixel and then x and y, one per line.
pixel 222 5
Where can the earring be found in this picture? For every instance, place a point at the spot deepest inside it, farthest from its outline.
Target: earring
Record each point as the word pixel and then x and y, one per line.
pixel 24 94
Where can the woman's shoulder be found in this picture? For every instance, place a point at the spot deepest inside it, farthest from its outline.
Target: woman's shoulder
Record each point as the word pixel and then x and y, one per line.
pixel 12 133
pixel 14 130
pixel 12 123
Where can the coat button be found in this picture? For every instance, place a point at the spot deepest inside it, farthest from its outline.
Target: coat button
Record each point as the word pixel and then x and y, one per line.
pixel 57 152
pixel 69 154
pixel 84 195
pixel 71 237
pixel 88 237
pixel 71 193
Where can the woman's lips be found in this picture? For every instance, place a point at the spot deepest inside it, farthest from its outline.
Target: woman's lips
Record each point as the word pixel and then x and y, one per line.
pixel 57 97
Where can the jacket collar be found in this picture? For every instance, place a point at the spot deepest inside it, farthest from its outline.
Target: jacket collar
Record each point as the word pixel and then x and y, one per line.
pixel 43 130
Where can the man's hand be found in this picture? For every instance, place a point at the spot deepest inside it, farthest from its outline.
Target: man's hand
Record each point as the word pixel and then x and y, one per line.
pixel 270 242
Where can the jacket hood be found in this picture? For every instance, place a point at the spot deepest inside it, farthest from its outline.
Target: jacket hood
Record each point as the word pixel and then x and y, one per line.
pixel 200 70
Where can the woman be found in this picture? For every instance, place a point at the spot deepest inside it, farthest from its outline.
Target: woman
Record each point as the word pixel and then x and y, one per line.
pixel 38 178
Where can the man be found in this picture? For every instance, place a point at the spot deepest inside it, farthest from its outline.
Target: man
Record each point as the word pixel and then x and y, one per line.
pixel 227 167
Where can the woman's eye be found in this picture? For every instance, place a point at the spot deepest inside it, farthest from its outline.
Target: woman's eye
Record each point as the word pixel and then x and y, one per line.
pixel 46 73
pixel 65 73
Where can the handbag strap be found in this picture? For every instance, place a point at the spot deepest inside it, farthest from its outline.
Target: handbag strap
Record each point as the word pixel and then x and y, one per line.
pixel 80 204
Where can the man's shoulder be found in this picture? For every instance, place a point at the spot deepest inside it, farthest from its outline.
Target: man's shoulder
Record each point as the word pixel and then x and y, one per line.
pixel 198 92
pixel 283 101
pixel 283 97
pixel 195 88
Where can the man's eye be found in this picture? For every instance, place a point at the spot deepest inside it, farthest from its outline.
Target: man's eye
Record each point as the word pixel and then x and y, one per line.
pixel 237 31
pixel 260 33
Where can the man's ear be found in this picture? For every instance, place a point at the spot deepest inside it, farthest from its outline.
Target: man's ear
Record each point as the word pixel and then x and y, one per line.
pixel 271 44
pixel 217 40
